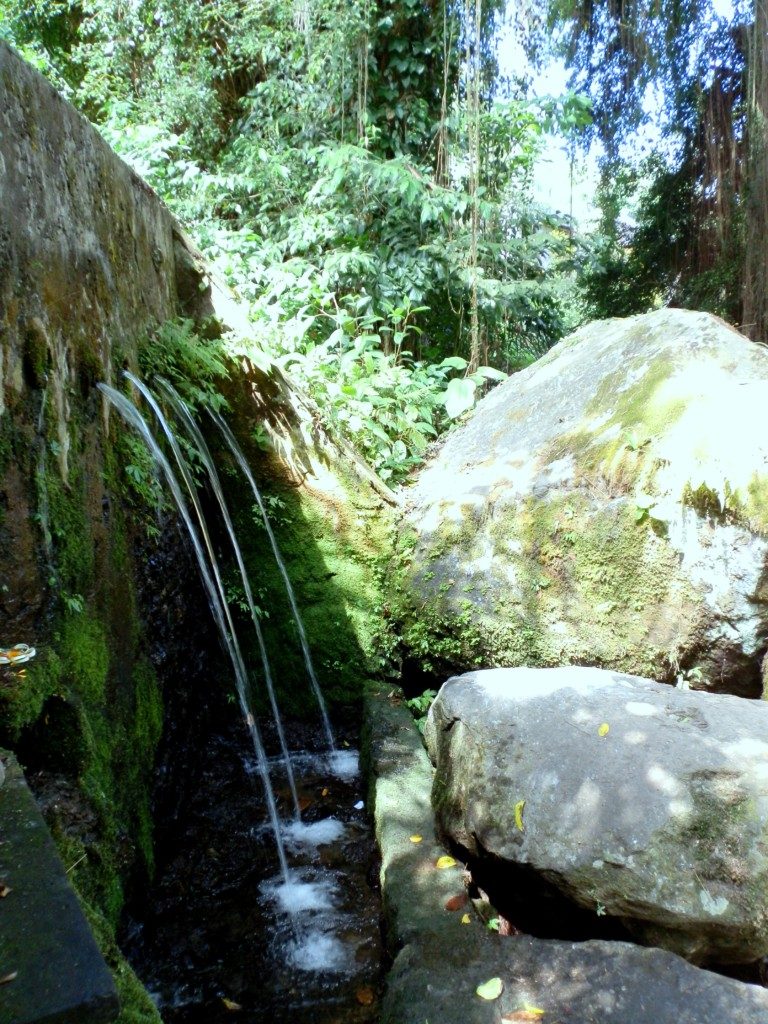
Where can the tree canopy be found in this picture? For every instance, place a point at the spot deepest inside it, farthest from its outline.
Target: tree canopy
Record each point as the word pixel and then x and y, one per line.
pixel 362 176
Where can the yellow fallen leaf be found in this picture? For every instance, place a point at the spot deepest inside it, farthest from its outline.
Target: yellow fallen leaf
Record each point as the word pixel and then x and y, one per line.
pixel 416 839
pixel 466 919
pixel 530 1013
pixel 445 862
pixel 603 730
pixel 230 1004
pixel 490 989
pixel 519 808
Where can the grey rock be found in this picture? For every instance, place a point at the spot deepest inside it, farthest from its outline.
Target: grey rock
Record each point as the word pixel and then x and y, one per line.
pixel 606 506
pixel 438 962
pixel 646 801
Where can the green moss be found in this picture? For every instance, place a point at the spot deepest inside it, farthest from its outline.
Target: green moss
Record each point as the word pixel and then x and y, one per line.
pixel 71 533
pixel 756 503
pixel 579 583
pixel 136 1007
pixel 6 441
pixel 620 449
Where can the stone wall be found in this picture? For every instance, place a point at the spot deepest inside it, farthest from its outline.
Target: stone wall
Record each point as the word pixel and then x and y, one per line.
pixel 91 264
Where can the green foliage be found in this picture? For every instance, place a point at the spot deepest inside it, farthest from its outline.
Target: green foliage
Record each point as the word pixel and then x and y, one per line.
pixel 194 366
pixel 419 707
pixel 318 154
pixel 675 204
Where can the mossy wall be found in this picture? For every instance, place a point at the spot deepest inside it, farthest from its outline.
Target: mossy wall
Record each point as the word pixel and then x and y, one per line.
pixel 91 268
pixel 91 264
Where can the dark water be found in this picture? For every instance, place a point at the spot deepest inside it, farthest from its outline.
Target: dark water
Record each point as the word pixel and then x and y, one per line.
pixel 212 940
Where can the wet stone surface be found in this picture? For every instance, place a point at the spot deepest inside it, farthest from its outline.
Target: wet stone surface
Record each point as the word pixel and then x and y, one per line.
pixel 220 937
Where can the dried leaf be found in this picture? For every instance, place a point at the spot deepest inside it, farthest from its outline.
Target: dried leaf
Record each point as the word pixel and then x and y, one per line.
pixel 530 1013
pixel 325 792
pixel 9 977
pixel 466 919
pixel 519 808
pixel 4 890
pixel 305 802
pixel 365 995
pixel 416 839
pixel 490 989
pixel 230 1004
pixel 603 730
pixel 445 862
pixel 456 902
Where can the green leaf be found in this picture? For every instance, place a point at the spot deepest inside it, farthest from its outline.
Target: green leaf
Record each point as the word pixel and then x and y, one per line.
pixel 490 989
pixel 489 373
pixel 459 396
pixel 455 363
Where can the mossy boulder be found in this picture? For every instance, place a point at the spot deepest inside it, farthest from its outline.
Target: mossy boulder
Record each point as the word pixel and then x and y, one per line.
pixel 625 797
pixel 607 506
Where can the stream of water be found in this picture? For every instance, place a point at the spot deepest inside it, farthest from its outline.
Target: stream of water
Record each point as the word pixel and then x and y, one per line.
pixel 218 930
pixel 214 590
pixel 242 462
pixel 277 919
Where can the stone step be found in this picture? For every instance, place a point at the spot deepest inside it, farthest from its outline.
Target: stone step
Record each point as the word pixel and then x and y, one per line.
pixel 59 974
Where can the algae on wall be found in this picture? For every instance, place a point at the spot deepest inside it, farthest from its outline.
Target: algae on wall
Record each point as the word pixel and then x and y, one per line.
pixel 91 264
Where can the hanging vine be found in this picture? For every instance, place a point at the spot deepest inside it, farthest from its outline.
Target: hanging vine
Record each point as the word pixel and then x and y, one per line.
pixel 473 19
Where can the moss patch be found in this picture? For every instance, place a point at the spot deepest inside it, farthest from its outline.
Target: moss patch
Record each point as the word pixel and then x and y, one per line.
pixel 567 581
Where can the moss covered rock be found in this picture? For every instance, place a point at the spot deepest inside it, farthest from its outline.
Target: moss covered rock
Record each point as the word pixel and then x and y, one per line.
pixel 607 506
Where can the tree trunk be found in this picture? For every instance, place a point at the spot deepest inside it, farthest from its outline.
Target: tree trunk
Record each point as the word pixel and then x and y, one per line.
pixel 755 314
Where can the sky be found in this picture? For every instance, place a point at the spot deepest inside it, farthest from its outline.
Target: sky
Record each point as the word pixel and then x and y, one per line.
pixel 552 178
pixel 553 185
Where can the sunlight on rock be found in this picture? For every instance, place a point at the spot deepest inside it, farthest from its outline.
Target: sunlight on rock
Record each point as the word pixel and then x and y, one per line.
pixel 663 781
pixel 640 709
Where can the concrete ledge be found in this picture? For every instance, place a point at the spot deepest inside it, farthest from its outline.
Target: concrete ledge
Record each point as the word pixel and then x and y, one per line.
pixel 438 962
pixel 60 974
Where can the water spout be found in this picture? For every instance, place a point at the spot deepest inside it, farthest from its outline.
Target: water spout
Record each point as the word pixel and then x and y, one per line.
pixel 234 447
pixel 184 415
pixel 214 593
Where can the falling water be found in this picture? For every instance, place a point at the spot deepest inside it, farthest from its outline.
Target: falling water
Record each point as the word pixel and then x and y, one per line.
pixel 215 598
pixel 234 447
pixel 183 413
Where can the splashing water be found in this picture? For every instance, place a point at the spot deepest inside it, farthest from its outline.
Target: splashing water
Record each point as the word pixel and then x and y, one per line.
pixel 313 834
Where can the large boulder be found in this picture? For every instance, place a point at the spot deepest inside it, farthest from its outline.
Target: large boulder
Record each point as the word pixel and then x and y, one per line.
pixel 628 798
pixel 606 506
